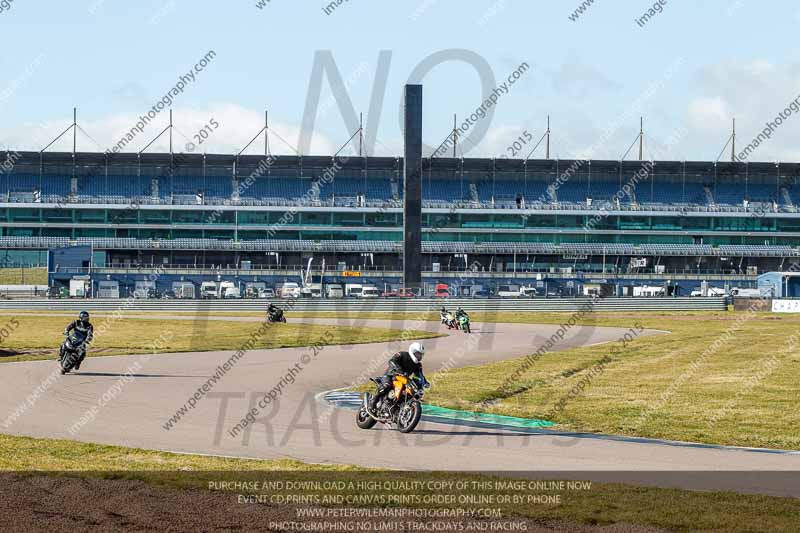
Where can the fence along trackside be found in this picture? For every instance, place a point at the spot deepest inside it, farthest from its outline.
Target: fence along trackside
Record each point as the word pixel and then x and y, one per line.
pixel 380 305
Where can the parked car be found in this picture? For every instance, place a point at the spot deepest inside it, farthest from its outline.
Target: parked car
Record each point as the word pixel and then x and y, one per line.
pixel 266 293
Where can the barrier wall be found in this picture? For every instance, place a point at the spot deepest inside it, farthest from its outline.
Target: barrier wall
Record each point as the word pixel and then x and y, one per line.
pixel 378 305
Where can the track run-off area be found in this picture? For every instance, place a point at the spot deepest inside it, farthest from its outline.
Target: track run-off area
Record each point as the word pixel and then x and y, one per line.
pixel 199 403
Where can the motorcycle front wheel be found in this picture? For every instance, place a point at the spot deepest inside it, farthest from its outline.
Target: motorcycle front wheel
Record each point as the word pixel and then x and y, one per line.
pixel 363 420
pixel 409 416
pixel 67 362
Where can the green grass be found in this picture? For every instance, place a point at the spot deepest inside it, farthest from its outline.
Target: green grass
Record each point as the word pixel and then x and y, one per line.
pixel 38 337
pixel 602 504
pixel 742 393
pixel 23 276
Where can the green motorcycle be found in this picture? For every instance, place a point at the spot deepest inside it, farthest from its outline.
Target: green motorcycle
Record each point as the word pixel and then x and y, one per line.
pixel 463 323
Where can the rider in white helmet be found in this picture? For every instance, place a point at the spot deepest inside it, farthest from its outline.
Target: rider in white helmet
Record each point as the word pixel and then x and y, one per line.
pixel 407 363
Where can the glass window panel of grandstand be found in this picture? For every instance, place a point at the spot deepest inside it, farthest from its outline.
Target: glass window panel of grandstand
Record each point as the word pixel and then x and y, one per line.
pixel 383 219
pixel 154 216
pixel 321 218
pixel 255 218
pixel 185 216
pixel 65 215
pixel 99 216
pixel 115 216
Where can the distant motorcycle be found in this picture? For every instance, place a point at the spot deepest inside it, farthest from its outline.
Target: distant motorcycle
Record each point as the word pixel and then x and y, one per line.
pixel 449 320
pixel 463 323
pixel 276 316
pixel 400 407
pixel 70 351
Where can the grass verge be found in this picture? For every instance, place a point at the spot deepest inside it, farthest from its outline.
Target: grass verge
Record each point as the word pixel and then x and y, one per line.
pixel 599 504
pixel 719 377
pixel 27 338
pixel 23 276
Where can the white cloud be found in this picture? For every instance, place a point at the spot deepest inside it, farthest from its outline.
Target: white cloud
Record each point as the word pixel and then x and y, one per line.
pixel 237 126
pixel 708 113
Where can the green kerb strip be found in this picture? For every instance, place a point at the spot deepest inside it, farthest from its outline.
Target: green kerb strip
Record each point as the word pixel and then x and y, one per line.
pixel 443 412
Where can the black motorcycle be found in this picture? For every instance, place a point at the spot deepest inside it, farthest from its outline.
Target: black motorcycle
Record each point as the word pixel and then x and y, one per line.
pixel 401 406
pixel 70 351
pixel 276 316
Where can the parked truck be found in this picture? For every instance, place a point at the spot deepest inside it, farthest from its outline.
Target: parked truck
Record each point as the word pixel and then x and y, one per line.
pixel 334 290
pixel 228 289
pixel 209 289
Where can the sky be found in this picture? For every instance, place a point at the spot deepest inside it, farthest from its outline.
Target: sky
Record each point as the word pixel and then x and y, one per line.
pixel 688 70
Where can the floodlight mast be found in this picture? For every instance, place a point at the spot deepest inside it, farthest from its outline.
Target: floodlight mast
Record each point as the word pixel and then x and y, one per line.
pixel 639 139
pixel 452 135
pixel 547 153
pixel 732 141
pixel 72 127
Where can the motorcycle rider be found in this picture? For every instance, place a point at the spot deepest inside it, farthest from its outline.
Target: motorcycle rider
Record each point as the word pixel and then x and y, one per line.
pixel 274 311
pixel 406 363
pixel 460 312
pixel 85 327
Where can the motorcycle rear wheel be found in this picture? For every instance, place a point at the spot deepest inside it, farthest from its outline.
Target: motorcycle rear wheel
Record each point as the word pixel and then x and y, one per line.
pixel 406 422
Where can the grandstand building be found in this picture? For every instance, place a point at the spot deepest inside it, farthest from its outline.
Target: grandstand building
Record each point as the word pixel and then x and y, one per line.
pixel 497 219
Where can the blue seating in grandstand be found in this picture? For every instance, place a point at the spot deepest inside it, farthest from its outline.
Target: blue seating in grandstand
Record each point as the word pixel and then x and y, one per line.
pixel 572 192
pixel 503 191
pixel 291 188
pixel 379 189
pixel 729 194
pixel 217 186
pixel 536 191
pixel 179 185
pixel 445 190
pixel 257 189
pixel 347 187
pixel 606 191
pixel 47 185
pixel 671 193
pixel 98 186
pixel 762 193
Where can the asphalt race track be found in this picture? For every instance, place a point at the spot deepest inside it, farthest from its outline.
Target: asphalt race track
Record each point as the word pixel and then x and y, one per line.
pixel 301 425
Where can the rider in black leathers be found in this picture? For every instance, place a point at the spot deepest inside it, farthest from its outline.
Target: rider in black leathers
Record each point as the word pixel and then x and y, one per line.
pixel 84 326
pixel 407 363
pixel 274 312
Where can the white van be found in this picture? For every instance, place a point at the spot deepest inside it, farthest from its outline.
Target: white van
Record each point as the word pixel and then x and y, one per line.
pixel 289 289
pixel 209 289
pixel 334 290
pixel 228 289
pixel 370 291
pixel 508 291
pixel 353 290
